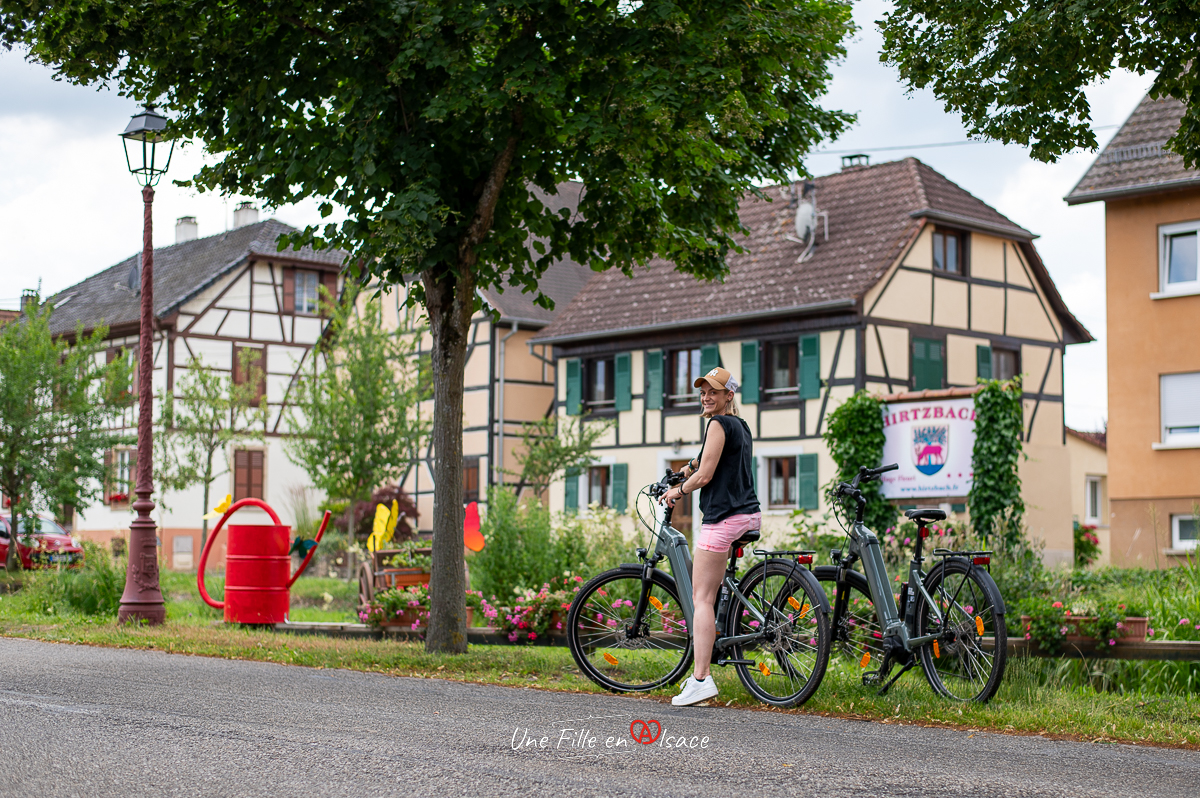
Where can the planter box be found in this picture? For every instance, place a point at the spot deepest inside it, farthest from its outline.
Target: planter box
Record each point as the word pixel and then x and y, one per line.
pixel 404 621
pixel 403 577
pixel 1134 631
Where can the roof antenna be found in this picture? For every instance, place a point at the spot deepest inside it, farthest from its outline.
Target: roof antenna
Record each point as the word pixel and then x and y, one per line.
pixel 806 220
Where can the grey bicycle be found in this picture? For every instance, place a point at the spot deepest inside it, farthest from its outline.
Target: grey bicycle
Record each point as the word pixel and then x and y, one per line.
pixel 629 627
pixel 949 620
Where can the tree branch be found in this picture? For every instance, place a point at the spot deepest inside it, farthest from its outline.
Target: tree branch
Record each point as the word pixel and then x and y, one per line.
pixel 485 209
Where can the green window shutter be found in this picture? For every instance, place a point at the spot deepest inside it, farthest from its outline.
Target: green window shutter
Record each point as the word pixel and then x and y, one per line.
pixel 654 379
pixel 574 388
pixel 927 365
pixel 710 358
pixel 750 372
pixel 572 484
pixel 983 362
pixel 620 486
pixel 623 381
pixel 807 482
pixel 810 367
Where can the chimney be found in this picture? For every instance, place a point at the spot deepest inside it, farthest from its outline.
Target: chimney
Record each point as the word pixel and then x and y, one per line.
pixel 186 229
pixel 857 161
pixel 245 213
pixel 30 297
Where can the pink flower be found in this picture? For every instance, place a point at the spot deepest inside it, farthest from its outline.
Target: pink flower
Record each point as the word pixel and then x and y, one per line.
pixel 1027 635
pixel 1149 632
pixel 754 624
pixel 907 541
pixel 1112 642
pixel 1057 605
pixel 533 635
pixel 1184 622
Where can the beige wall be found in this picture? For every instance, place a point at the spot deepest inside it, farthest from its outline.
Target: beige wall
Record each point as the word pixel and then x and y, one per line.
pixel 1146 338
pixel 1090 460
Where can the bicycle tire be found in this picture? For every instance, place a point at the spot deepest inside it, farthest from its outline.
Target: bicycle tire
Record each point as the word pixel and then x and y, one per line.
pixel 960 665
pixel 855 633
pixel 790 659
pixel 600 623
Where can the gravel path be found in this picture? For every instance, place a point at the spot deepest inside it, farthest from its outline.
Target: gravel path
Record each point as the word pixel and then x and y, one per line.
pixel 81 721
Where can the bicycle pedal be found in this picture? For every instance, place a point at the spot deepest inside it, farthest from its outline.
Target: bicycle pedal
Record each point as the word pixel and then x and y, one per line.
pixel 870 677
pixel 736 662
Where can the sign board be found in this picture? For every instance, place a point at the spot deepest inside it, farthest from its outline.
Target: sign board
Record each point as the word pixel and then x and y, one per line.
pixel 932 442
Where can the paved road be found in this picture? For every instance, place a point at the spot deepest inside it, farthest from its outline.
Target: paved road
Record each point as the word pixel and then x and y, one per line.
pixel 79 721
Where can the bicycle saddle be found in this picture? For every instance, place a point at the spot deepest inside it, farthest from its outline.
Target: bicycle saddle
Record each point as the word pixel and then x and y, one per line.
pixel 749 536
pixel 925 514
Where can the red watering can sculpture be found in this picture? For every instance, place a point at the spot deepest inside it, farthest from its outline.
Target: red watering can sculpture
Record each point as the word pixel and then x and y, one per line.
pixel 257 566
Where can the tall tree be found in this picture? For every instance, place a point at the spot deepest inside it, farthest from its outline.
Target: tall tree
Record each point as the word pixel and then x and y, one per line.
pixel 209 413
pixel 1017 71
pixel 356 413
pixel 430 121
pixel 58 404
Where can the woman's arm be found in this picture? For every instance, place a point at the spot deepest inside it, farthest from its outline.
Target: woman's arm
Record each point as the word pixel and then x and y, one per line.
pixel 713 445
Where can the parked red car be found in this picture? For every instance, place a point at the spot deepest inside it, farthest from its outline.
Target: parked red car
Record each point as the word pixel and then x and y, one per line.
pixel 48 545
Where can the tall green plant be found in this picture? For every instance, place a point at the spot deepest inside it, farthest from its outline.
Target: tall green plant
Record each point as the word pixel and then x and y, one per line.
pixel 58 405
pixel 355 415
pixel 854 435
pixel 995 497
pixel 208 414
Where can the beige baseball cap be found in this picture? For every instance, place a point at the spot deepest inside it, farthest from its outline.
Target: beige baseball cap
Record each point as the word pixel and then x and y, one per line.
pixel 718 378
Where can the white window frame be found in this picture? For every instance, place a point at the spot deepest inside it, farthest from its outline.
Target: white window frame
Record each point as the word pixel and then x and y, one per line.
pixel 1090 517
pixel 304 274
pixel 765 454
pixel 1176 543
pixel 1174 439
pixel 1166 289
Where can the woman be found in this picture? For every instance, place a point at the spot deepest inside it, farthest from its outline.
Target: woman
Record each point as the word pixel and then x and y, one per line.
pixel 724 476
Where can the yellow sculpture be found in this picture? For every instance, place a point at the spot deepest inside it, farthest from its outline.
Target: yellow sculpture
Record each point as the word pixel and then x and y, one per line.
pixel 384 527
pixel 220 509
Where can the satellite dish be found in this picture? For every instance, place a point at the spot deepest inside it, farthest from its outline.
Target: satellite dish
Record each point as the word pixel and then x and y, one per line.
pixel 806 221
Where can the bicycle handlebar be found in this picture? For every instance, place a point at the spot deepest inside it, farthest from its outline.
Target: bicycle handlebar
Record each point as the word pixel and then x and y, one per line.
pixel 670 479
pixel 863 476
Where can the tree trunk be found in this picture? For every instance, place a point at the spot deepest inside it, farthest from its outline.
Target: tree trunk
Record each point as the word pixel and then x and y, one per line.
pixel 449 303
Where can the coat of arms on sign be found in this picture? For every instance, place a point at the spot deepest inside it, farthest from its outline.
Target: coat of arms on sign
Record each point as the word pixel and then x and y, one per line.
pixel 931 446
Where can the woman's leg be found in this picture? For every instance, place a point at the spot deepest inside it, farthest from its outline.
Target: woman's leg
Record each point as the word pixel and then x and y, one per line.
pixel 708 569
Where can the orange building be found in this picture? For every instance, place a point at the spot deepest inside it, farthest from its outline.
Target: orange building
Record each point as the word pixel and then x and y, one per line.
pixel 1152 217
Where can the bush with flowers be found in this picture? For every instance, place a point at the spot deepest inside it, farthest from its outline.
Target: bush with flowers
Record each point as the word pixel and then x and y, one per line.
pixel 534 613
pixel 398 605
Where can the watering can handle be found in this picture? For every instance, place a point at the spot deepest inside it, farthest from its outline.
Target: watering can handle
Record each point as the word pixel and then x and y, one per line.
pixel 316 540
pixel 213 536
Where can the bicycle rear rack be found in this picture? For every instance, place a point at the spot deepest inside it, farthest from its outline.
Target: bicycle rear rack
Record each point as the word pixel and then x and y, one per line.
pixel 801 556
pixel 982 557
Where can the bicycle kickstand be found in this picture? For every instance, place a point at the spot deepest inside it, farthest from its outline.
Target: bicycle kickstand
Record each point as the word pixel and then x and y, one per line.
pixel 883 690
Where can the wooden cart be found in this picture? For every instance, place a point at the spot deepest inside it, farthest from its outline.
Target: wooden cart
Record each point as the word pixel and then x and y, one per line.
pixel 375 576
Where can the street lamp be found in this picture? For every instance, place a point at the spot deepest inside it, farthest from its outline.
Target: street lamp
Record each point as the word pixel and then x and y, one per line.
pixel 142 599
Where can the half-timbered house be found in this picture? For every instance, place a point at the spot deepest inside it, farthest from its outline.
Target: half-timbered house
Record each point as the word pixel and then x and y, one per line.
pixel 902 282
pixel 214 298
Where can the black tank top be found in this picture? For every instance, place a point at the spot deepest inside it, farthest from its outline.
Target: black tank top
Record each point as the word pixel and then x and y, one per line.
pixel 731 491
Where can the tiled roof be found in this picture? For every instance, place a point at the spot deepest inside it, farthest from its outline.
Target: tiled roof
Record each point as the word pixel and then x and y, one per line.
pixel 1095 438
pixel 873 213
pixel 1135 162
pixel 561 281
pixel 180 272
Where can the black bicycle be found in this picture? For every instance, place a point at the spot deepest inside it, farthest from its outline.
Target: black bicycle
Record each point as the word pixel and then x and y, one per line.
pixel 949 620
pixel 629 627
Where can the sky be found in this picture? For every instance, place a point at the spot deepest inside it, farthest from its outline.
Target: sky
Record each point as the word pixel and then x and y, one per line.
pixel 69 207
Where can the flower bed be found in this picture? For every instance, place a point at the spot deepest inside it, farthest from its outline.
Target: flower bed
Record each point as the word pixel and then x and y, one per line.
pixel 1050 624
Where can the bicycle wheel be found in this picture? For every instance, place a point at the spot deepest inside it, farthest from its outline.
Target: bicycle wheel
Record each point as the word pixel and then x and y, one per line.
pixel 618 651
pixel 967 660
pixel 854 627
pixel 792 652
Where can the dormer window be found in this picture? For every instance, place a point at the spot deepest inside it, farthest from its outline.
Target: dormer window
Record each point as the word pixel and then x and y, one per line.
pixel 949 251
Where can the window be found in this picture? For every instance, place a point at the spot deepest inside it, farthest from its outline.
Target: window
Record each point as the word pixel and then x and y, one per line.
pixel 247 474
pixel 121 466
pixel 1006 364
pixel 1180 394
pixel 684 369
pixel 308 298
pixel 927 364
pixel 949 251
pixel 1091 501
pixel 470 480
pixel 181 552
pixel 1184 531
pixel 598 384
pixel 782 363
pixel 600 486
pixel 792 482
pixel 249 364
pixel 1178 251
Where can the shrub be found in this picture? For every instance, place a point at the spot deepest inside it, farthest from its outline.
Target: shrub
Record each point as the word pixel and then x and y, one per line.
pixel 519 552
pixel 94 589
pixel 1087 545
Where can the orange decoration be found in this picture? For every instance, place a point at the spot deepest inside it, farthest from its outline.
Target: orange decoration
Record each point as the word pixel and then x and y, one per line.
pixel 472 537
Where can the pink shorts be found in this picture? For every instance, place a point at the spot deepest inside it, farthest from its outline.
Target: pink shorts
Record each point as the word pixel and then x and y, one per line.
pixel 719 537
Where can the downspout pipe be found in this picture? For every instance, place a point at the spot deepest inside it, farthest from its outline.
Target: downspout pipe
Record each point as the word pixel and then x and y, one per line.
pixel 500 412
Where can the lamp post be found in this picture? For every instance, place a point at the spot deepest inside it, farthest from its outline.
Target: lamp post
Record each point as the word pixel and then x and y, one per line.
pixel 142 599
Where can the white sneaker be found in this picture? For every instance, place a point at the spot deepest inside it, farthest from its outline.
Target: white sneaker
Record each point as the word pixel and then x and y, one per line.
pixel 694 692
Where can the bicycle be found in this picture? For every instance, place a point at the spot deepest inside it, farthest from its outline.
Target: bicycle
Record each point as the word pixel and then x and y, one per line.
pixel 629 627
pixel 950 620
